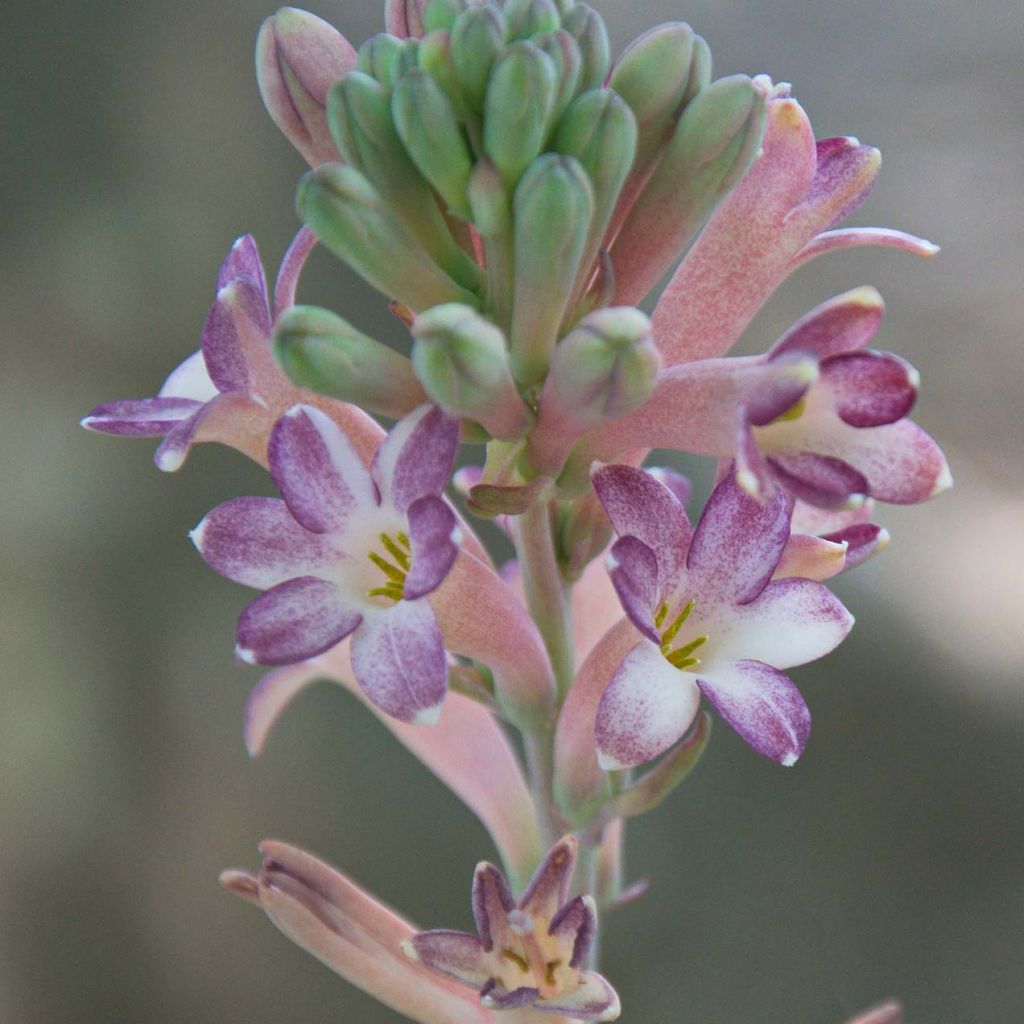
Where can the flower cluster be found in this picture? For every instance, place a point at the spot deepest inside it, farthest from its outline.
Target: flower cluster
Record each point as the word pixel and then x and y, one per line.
pixel 514 193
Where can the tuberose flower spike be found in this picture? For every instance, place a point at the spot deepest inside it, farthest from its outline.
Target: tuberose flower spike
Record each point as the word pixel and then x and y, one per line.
pixel 526 953
pixel 711 621
pixel 348 551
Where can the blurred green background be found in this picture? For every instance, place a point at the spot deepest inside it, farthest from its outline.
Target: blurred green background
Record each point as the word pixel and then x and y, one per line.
pixel 889 862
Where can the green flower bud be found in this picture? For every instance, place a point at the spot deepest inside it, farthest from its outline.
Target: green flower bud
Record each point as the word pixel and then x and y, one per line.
pixel 319 350
pixel 477 38
pixel 587 27
pixel 387 58
pixel 528 18
pixel 489 200
pixel 563 51
pixel 582 533
pixel 433 138
pixel 351 218
pixel 517 108
pixel 442 13
pixel 359 112
pixel 712 147
pixel 435 57
pixel 552 207
pixel 461 360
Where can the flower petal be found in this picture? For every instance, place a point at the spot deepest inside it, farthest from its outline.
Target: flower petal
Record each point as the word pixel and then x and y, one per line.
pixel 549 886
pixel 492 903
pixel 737 544
pixel 851 238
pixel 592 999
pixel 576 920
pixel 648 705
pixel 762 705
pixel 233 419
pixel 189 379
pixel 236 336
pixel 863 540
pixel 256 542
pixel 845 323
pixel 456 954
pixel 295 620
pixel 888 1013
pixel 243 260
pixel 792 621
pixel 140 417
pixel 634 574
pixel 812 558
pixel 846 172
pixel 398 658
pixel 317 470
pixel 434 535
pixel 495 997
pixel 294 260
pixel 640 506
pixel 417 456
pixel 870 388
pixel 818 479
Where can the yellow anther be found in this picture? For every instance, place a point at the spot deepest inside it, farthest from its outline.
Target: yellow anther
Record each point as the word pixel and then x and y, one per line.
pixel 794 412
pixel 677 623
pixel 516 959
pixel 660 617
pixel 549 973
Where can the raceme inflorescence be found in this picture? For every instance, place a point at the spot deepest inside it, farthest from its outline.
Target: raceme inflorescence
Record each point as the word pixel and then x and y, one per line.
pixel 514 193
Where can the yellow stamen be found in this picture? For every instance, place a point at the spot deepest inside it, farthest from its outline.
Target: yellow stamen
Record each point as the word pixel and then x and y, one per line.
pixel 398 554
pixel 389 570
pixel 794 412
pixel 516 959
pixel 660 617
pixel 669 635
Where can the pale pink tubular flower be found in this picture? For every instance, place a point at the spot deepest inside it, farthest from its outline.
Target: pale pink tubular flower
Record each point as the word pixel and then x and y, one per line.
pixel 781 215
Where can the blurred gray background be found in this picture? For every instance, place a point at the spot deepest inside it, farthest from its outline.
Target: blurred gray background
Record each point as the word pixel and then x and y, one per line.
pixel 889 862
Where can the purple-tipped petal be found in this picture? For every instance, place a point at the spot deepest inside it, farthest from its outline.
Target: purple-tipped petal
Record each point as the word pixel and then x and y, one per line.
pixel 592 999
pixel 640 506
pixel 678 484
pixel 291 267
pixel 762 705
pixel 417 456
pixel 228 418
pixel 863 540
pixel 634 573
pixel 453 953
pixel 256 542
pixel 576 920
pixel 845 323
pixel 647 707
pixel 399 661
pixel 235 335
pixel 845 174
pixel 295 620
pixel 852 238
pixel 811 558
pixel 243 260
pixel 492 903
pixel 317 470
pixel 738 542
pixel 792 622
pixel 870 389
pixel 140 417
pixel 495 998
pixel 548 889
pixel 190 379
pixel 434 535
pixel 818 479
pixel 777 394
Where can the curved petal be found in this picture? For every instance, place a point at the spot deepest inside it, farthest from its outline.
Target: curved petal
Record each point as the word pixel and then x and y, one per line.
pixel 457 954
pixel 243 260
pixel 140 417
pixel 792 622
pixel 434 535
pixel 863 541
pixel 737 544
pixel 762 705
pixel 399 661
pixel 852 238
pixel 634 573
pixel 578 920
pixel 317 470
pixel 592 999
pixel 870 389
pixel 492 903
pixel 845 323
pixel 189 379
pixel 549 887
pixel 818 479
pixel 417 456
pixel 595 609
pixel 647 707
pixel 235 342
pixel 845 172
pixel 294 260
pixel 812 558
pixel 233 419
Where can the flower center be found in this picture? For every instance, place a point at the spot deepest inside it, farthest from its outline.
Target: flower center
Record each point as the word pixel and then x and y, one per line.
pixel 678 657
pixel 535 959
pixel 398 549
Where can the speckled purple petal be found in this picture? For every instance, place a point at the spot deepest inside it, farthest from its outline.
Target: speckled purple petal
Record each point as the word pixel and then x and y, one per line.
pixel 434 535
pixel 863 540
pixel 219 412
pixel 821 480
pixel 846 172
pixel 752 472
pixel 577 920
pixel 738 542
pixel 870 388
pixel 640 506
pixel 775 396
pixel 492 903
pixel 240 306
pixel 295 620
pixel 256 542
pixel 140 417
pixel 243 260
pixel 845 323
pixel 317 470
pixel 633 569
pixel 763 705
pixel 593 999
pixel 495 998
pixel 416 457
pixel 548 889
pixel 678 484
pixel 456 954
pixel 399 662
pixel 291 267
pixel 647 707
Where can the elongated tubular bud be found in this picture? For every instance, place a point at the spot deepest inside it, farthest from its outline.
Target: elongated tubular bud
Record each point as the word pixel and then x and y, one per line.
pixel 431 135
pixel 602 369
pixel 587 27
pixel 517 108
pixel 319 350
pixel 528 18
pixel 441 13
pixel 552 210
pixel 387 58
pixel 563 51
pixel 713 146
pixel 404 18
pixel 462 362
pixel 599 130
pixel 360 117
pixel 491 204
pixel 298 57
pixel 349 216
pixel 477 38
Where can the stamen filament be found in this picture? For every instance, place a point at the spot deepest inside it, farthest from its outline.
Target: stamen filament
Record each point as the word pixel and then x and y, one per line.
pixel 669 635
pixel 392 572
pixel 397 553
pixel 659 618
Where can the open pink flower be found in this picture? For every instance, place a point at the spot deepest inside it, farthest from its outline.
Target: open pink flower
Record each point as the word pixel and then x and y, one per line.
pixel 348 551
pixel 531 952
pixel 711 620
